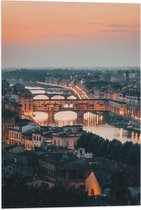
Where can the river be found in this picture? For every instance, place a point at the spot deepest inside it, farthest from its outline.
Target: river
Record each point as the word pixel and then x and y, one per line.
pixel 96 124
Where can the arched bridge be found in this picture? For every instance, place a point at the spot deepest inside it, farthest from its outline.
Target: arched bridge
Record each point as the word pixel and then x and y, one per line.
pixel 80 106
pixel 77 105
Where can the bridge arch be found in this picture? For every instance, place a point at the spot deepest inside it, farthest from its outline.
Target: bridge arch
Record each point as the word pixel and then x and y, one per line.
pixel 40 97
pixel 71 97
pixel 57 97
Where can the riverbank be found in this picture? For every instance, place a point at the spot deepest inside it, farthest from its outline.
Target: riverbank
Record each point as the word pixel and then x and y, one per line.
pixel 121 122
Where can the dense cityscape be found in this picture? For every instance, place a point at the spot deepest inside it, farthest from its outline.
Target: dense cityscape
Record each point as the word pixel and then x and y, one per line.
pixel 55 137
pixel 70 104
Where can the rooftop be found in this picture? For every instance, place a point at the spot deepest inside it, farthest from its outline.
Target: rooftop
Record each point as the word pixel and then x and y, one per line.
pixel 72 126
pixel 119 102
pixel 23 122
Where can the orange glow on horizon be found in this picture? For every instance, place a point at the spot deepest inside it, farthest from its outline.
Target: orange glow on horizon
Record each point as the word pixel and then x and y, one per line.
pixel 48 22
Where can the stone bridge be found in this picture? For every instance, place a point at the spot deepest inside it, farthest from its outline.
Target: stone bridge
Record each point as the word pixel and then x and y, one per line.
pixel 77 105
pixel 80 106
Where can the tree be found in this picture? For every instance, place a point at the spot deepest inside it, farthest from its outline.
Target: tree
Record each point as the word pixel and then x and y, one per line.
pixel 119 193
pixel 128 152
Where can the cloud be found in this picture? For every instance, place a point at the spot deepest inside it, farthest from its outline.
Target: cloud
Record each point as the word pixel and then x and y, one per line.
pixel 114 25
pixel 112 30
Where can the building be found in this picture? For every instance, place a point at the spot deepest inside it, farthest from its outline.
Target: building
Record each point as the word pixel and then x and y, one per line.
pixel 63 167
pixel 38 137
pixel 8 120
pixel 80 153
pixel 92 185
pixel 15 162
pixel 21 133
pixel 12 106
pixel 27 104
pixel 133 107
pixel 118 107
pixel 64 139
pixel 14 136
pixel 26 140
pixel 26 125
pixel 72 172
pixel 28 134
pixel 73 128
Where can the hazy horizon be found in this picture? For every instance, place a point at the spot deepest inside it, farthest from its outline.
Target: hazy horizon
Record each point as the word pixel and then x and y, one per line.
pixel 73 67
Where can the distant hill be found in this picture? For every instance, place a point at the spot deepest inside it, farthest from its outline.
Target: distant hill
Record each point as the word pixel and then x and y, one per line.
pixel 25 75
pixel 62 73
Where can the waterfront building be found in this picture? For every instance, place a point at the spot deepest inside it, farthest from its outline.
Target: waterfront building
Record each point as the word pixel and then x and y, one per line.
pixel 118 107
pixel 64 139
pixel 27 104
pixel 133 107
pixel 30 135
pixel 21 133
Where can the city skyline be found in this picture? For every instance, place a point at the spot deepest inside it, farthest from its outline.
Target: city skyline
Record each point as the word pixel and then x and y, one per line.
pixel 48 34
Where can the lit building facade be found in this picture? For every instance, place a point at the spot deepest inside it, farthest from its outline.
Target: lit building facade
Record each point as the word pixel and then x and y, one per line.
pixel 27 105
pixel 133 107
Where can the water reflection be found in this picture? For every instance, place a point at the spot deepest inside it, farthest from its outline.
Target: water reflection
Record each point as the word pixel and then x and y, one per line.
pixel 91 119
pixel 63 123
pixel 65 118
pixel 135 136
pixel 94 123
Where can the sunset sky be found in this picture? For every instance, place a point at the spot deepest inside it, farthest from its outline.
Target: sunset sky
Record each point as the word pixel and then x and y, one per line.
pixel 47 34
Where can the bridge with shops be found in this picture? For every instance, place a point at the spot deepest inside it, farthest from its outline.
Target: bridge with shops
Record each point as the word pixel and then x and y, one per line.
pixel 80 106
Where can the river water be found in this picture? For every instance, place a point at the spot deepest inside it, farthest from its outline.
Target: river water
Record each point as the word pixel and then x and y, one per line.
pixel 96 124
pixel 111 132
